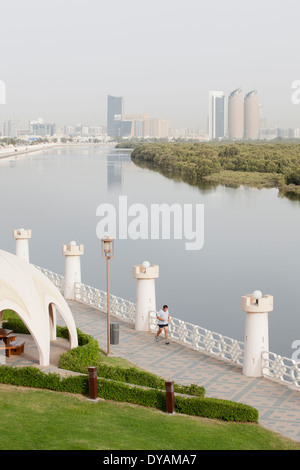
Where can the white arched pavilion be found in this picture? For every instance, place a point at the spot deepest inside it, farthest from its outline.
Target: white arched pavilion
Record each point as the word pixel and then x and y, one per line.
pixel 27 291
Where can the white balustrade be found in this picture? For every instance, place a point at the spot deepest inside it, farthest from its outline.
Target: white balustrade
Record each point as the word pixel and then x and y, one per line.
pixel 281 369
pixel 123 309
pixel 274 367
pixel 57 279
pixel 186 333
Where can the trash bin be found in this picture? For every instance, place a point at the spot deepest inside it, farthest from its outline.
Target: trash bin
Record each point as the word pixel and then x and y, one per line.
pixel 114 333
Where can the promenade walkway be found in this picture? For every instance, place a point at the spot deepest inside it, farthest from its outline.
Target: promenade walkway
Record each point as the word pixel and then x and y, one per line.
pixel 278 406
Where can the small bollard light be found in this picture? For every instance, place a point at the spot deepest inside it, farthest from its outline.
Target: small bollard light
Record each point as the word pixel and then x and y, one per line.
pixel 257 294
pixel 170 403
pixel 93 384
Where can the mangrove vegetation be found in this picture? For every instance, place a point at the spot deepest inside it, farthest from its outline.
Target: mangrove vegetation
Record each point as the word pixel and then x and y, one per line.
pixel 256 164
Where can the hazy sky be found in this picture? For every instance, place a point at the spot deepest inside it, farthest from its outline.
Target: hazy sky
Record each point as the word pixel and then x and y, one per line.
pixel 61 58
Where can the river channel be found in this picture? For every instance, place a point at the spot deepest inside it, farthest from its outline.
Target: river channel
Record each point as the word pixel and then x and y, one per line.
pixel 251 236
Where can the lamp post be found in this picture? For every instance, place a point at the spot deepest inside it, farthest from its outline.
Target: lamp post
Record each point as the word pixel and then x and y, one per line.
pixel 107 244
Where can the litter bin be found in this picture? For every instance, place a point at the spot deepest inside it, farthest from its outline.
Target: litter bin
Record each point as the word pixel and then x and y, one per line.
pixel 114 333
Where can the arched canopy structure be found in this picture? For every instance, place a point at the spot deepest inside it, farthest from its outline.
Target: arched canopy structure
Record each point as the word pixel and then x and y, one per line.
pixel 27 291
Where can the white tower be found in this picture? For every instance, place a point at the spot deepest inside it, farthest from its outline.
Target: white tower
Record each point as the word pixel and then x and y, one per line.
pixel 22 245
pixel 145 293
pixel 256 331
pixel 72 253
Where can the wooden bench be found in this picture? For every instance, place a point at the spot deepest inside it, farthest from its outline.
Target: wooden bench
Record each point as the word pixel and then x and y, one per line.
pixel 14 347
pixel 9 338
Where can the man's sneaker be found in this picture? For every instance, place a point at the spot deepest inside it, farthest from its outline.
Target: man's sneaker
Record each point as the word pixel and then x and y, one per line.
pixel 167 342
pixel 156 339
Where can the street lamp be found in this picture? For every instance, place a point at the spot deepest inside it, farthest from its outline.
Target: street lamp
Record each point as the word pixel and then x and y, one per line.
pixel 107 245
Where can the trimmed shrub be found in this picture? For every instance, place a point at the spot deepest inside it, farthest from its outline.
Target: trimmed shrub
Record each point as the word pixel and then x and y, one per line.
pixel 15 323
pixel 129 385
pixel 85 355
pixel 82 357
pixel 214 408
pixel 121 392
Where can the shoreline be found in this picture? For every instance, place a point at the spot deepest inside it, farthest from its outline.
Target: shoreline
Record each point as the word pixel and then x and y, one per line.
pixel 23 151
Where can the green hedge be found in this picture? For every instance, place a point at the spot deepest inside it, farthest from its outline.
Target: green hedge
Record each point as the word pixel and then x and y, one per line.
pixel 87 354
pixel 79 359
pixel 121 392
pixel 115 382
pixel 33 377
pixel 15 323
pixel 130 375
pixel 133 375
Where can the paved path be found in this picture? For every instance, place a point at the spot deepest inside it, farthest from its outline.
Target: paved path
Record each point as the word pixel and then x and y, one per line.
pixel 278 406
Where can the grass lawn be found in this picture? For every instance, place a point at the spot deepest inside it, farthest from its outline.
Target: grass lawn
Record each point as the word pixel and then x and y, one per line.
pixel 45 420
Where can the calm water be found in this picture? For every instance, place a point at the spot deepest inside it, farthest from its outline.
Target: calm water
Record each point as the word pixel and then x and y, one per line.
pixel 251 237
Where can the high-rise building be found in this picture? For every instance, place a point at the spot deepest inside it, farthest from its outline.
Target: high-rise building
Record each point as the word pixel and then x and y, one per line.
pixel 236 115
pixel 251 116
pixel 138 123
pixel 10 128
pixel 116 125
pixel 156 128
pixel 114 115
pixel 144 126
pixel 216 110
pixel 41 128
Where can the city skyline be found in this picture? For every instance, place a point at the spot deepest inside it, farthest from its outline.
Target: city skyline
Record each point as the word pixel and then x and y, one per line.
pixel 58 61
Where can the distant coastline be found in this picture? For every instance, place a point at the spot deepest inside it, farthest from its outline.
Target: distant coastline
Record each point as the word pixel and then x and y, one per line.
pixel 16 151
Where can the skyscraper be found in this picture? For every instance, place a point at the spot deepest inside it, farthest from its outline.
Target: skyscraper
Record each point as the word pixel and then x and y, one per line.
pixel 236 114
pixel 251 116
pixel 216 108
pixel 114 115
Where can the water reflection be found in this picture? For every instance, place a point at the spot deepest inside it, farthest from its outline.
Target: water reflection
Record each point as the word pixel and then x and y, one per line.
pixel 289 195
pixel 114 162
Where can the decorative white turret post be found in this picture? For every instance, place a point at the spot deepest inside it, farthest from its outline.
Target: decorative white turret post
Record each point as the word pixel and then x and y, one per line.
pixel 22 245
pixel 257 308
pixel 72 252
pixel 145 293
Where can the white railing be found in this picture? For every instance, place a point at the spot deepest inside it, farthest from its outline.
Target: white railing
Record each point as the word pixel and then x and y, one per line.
pixel 201 339
pixel 57 279
pixel 275 367
pixel 281 369
pixel 190 335
pixel 123 309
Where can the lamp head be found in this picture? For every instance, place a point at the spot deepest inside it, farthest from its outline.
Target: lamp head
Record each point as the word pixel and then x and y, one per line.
pixel 107 247
pixel 257 294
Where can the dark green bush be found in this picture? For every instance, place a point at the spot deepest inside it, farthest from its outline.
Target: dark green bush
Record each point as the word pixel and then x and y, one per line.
pixel 121 392
pixel 34 378
pixel 15 323
pixel 133 375
pixel 114 384
pixel 85 355
pixel 293 177
pixel 216 409
pixel 82 357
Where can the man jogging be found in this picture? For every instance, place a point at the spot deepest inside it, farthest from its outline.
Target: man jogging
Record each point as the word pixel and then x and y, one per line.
pixel 163 318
